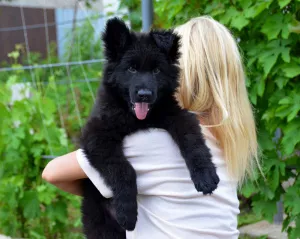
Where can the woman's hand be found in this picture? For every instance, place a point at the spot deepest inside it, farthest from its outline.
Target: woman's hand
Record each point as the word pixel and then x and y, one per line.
pixel 65 173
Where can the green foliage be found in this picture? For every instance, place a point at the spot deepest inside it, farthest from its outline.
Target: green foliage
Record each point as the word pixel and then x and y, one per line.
pixel 268 35
pixel 26 203
pixel 133 8
pixel 47 123
pixel 248 218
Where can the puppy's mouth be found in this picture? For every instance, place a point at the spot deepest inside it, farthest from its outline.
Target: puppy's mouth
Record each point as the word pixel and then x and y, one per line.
pixel 141 109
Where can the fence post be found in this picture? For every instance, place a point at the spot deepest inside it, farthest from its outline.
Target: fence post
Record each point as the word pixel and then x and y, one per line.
pixel 147 15
pixel 278 217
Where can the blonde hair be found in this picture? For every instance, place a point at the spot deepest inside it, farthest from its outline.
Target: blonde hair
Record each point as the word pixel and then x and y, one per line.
pixel 212 84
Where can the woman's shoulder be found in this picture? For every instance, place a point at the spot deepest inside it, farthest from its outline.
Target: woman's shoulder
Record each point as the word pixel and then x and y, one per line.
pixel 156 136
pixel 159 132
pixel 153 144
pixel 159 142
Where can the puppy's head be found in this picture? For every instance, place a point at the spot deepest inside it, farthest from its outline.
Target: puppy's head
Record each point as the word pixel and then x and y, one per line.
pixel 142 68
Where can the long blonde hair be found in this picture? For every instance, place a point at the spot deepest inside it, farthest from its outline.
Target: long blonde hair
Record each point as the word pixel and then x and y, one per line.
pixel 212 84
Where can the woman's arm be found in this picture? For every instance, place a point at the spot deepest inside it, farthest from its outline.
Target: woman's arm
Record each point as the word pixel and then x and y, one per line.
pixel 65 173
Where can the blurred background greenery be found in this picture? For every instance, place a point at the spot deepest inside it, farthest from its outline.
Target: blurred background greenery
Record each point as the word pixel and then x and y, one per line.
pixel 47 123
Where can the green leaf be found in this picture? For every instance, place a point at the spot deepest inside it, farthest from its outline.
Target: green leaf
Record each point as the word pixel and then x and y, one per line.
pixel 256 9
pixel 282 168
pixel 37 151
pixel 292 127
pixel 15 55
pixel 63 140
pixel 268 57
pixel 274 180
pixel 265 140
pixel 52 83
pixel 214 9
pixel 272 26
pixel 239 22
pixel 245 4
pixel 290 140
pixel 46 194
pixel 294 232
pixel 4 113
pixel 265 208
pixel 270 164
pixel 261 87
pixel 285 101
pixel 15 144
pixel 12 80
pixel 283 3
pixel 17 180
pixel 269 193
pixel 20 132
pixel 281 81
pixel 285 32
pixel 291 70
pixel 289 199
pixel 48 107
pixel 248 189
pixel 286 222
pixel 290 106
pixel 270 61
pixel 253 94
pixel 285 55
pixel 230 14
pixel 282 111
pixel 30 204
pixel 293 114
pixel 58 211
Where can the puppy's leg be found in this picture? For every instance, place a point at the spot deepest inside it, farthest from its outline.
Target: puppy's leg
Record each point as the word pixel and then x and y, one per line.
pixel 98 222
pixel 185 130
pixel 102 142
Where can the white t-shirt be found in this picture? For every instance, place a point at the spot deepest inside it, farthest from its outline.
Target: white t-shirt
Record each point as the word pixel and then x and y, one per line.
pixel 169 207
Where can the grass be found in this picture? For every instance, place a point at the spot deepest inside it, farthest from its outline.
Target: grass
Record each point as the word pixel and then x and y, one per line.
pixel 248 237
pixel 248 217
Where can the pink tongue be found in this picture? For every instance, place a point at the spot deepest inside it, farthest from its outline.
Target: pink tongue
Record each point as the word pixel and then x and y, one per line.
pixel 141 110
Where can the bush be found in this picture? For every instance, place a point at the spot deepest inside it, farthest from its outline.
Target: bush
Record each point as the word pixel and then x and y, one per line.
pixel 28 207
pixel 45 124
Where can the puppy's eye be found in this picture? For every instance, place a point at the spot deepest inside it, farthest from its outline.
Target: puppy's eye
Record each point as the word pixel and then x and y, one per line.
pixel 132 70
pixel 156 71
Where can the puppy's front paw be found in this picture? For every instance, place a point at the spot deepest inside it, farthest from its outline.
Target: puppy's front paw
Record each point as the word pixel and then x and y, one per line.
pixel 205 180
pixel 126 212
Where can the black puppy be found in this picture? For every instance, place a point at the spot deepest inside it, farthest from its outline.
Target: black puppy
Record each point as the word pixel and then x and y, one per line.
pixel 137 92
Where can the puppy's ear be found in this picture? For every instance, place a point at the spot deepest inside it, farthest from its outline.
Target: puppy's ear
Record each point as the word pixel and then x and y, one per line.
pixel 168 42
pixel 117 38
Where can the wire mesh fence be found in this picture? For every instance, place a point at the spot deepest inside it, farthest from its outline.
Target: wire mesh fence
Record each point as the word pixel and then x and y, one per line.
pixel 70 80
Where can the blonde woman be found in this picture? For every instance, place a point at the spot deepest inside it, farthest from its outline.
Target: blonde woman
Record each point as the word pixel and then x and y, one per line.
pixel 212 85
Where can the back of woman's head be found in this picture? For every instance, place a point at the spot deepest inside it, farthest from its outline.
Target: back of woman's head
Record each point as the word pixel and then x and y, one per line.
pixel 212 83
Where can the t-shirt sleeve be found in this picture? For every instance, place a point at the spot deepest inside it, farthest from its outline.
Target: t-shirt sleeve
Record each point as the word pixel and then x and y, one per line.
pixel 93 174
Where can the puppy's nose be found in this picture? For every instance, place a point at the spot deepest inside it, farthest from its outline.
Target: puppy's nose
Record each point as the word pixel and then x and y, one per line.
pixel 144 94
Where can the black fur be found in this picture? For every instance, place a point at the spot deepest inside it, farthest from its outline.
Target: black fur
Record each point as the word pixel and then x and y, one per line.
pixel 140 68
